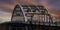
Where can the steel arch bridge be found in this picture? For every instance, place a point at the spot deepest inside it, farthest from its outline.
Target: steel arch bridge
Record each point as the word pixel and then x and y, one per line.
pixel 37 14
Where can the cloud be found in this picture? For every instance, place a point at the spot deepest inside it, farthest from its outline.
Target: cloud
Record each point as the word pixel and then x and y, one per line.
pixel 26 2
pixel 4 19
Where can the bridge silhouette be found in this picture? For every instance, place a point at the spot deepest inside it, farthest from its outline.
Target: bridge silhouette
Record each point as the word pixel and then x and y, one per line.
pixel 31 17
pixel 37 14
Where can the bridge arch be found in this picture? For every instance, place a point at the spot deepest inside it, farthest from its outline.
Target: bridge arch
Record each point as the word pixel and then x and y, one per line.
pixel 31 13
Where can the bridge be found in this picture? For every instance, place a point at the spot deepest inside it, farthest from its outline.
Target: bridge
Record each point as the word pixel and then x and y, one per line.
pixel 31 17
pixel 36 14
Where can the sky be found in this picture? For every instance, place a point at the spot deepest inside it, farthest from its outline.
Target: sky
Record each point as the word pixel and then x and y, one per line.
pixel 7 6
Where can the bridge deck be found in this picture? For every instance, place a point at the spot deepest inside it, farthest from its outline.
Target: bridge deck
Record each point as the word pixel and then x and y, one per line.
pixel 23 26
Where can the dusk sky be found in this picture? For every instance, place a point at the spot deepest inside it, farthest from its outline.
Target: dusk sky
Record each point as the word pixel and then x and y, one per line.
pixel 7 6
